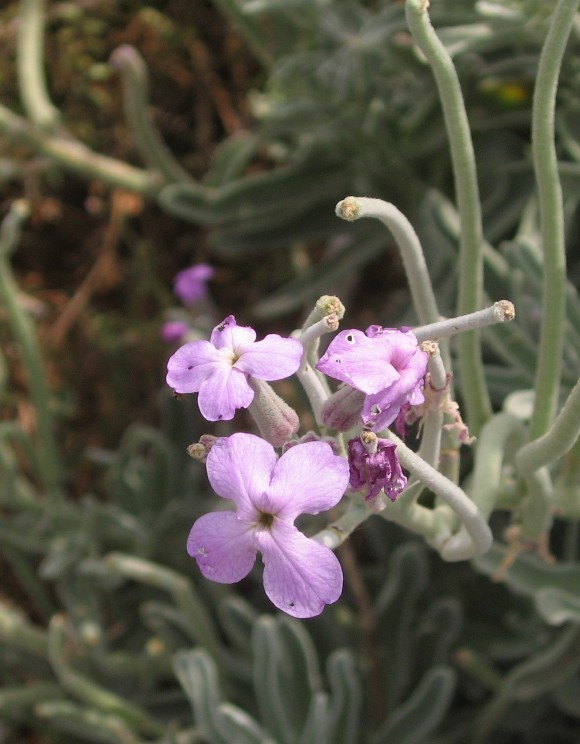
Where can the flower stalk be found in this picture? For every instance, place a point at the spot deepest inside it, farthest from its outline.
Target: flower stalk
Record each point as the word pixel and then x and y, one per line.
pixel 470 283
pixel 548 372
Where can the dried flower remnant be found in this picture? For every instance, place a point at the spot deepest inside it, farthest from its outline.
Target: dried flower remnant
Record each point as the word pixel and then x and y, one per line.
pixel 374 466
pixel 301 576
pixel 385 364
pixel 219 369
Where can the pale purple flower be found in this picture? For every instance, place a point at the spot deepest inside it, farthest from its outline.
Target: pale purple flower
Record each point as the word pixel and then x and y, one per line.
pixel 190 285
pixel 219 369
pixel 301 576
pixel 376 469
pixel 173 331
pixel 385 364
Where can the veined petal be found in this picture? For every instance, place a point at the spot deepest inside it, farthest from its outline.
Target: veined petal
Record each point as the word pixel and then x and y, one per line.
pixel 307 479
pixel 223 546
pixel 272 358
pixel 240 468
pixel 228 334
pixel 191 364
pixel 362 362
pixel 222 394
pixel 301 576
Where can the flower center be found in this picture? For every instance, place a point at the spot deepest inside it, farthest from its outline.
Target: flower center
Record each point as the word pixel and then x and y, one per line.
pixel 265 520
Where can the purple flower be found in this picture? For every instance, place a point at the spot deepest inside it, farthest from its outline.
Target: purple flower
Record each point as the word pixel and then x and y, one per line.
pixel 300 575
pixel 173 331
pixel 385 364
pixel 219 369
pixel 190 284
pixel 374 465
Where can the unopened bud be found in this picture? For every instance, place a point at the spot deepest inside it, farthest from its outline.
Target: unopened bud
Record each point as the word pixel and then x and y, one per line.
pixel 276 420
pixel 343 409
pixel 330 305
pixel 200 450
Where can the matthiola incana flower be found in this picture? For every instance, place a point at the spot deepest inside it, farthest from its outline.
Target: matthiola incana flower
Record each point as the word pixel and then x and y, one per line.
pixel 385 364
pixel 190 285
pixel 374 466
pixel 219 369
pixel 174 330
pixel 301 576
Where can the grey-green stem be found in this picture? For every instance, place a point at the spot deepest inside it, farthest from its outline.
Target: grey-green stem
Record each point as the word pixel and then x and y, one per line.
pixel 552 218
pixel 470 283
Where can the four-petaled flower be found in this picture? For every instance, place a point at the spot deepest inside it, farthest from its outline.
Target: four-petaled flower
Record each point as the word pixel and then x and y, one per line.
pixel 301 576
pixel 385 364
pixel 190 285
pixel 219 369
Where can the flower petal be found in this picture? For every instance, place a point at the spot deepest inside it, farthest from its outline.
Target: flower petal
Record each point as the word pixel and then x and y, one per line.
pixel 272 358
pixel 362 362
pixel 307 479
pixel 301 576
pixel 191 364
pixel 228 334
pixel 223 393
pixel 380 410
pixel 190 284
pixel 240 468
pixel 223 546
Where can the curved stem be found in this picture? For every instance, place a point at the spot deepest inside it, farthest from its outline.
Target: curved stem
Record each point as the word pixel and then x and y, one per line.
pixel 354 207
pixel 552 218
pixel 558 440
pixel 451 494
pixel 314 383
pixel 487 473
pixel 76 157
pixel 153 149
pixel 30 65
pixel 467 195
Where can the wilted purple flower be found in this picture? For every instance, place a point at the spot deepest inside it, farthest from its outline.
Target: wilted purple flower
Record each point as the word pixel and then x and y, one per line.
pixel 190 285
pixel 374 466
pixel 301 575
pixel 219 369
pixel 385 364
pixel 173 331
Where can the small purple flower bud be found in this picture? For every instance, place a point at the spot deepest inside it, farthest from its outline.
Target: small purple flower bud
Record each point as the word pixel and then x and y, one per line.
pixel 374 465
pixel 276 420
pixel 342 410
pixel 190 284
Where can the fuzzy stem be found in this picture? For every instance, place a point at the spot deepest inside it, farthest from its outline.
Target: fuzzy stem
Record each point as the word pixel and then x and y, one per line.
pixel 470 287
pixel 552 218
pixel 500 312
pixel 464 508
pixel 337 532
pixel 314 384
pixel 354 207
pixel 489 463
